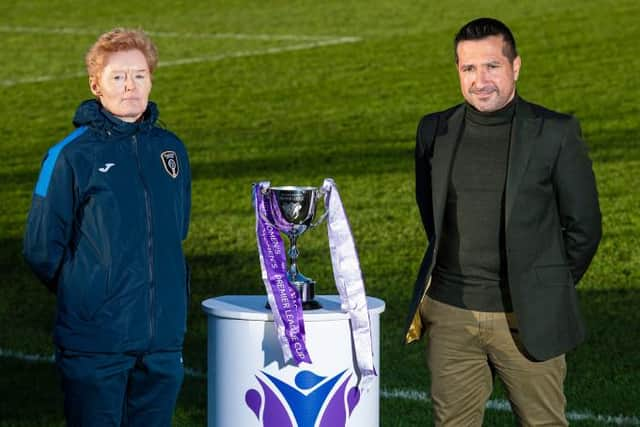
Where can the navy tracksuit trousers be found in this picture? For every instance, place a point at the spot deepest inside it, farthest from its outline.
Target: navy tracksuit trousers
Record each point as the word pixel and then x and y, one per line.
pixel 120 390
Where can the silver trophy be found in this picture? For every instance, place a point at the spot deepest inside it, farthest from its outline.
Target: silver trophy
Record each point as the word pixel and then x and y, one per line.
pixel 297 207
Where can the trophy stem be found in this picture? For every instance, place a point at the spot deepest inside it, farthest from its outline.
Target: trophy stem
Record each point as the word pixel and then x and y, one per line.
pixel 293 256
pixel 305 286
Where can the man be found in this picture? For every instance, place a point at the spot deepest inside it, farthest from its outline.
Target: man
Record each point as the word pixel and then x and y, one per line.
pixel 509 203
pixel 108 216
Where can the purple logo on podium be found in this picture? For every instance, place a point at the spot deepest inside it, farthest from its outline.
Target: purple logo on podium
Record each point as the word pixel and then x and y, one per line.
pixel 310 399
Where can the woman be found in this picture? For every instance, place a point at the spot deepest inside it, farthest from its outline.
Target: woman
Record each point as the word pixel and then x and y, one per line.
pixel 109 213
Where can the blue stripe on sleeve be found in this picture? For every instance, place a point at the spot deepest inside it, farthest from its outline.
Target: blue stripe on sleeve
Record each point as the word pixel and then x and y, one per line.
pixel 49 163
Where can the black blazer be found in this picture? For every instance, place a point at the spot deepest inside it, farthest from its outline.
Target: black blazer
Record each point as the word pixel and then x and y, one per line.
pixel 552 220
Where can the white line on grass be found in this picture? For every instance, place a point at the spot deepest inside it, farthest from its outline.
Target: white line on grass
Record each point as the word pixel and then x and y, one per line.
pixel 503 405
pixel 40 79
pixel 232 36
pixel 25 357
pixel 267 51
pixel 402 394
pixel 198 59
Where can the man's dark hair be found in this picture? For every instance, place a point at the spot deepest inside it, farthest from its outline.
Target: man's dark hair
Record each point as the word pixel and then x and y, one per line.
pixel 485 27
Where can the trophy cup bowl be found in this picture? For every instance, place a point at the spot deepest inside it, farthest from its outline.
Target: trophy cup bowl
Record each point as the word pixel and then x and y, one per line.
pixel 297 207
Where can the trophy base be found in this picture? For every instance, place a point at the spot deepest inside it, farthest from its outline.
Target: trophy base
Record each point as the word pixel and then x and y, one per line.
pixel 306 305
pixel 306 290
pixel 311 305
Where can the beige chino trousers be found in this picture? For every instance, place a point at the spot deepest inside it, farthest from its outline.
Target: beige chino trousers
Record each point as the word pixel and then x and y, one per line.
pixel 465 348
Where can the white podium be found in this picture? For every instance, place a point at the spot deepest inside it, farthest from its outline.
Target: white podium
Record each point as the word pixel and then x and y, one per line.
pixel 249 385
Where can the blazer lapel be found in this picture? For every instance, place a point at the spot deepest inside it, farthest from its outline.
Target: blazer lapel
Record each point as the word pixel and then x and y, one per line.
pixel 525 128
pixel 443 150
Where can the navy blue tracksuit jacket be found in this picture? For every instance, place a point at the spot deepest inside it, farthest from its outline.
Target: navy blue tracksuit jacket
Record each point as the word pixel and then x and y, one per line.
pixel 109 213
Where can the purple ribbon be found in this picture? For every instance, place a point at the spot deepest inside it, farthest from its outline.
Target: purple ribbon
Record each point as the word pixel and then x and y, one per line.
pixel 284 299
pixel 273 215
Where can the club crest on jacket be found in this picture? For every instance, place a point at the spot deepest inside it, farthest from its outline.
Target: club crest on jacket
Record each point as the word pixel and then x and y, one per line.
pixel 170 163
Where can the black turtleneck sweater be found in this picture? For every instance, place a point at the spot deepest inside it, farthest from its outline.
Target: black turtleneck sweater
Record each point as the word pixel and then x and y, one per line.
pixel 470 270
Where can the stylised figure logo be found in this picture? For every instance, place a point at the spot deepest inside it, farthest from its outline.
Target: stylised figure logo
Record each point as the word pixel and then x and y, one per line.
pixel 305 401
pixel 292 210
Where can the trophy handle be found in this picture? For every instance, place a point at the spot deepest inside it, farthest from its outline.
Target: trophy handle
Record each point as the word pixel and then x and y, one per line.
pixel 320 220
pixel 278 225
pixel 321 194
pixel 264 191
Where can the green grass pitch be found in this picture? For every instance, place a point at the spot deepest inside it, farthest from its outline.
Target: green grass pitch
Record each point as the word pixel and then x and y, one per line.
pixel 296 91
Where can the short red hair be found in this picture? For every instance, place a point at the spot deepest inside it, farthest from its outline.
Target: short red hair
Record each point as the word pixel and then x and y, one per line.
pixel 118 40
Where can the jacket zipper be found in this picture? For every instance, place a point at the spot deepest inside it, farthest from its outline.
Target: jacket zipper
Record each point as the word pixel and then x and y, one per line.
pixel 147 203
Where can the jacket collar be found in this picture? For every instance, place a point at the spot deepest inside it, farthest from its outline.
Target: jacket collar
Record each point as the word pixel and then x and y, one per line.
pixel 447 136
pixel 525 132
pixel 91 113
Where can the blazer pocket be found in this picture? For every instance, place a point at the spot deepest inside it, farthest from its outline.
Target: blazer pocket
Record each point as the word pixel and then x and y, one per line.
pixel 554 275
